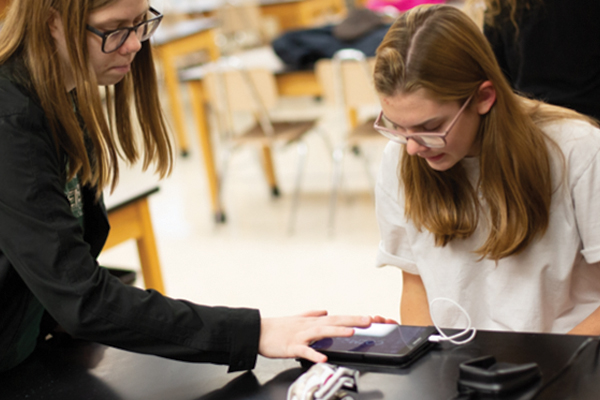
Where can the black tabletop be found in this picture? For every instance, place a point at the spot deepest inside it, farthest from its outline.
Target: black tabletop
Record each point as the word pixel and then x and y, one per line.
pixel 69 369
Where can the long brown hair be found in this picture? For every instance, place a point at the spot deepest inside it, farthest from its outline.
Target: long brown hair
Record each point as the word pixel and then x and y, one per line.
pixel 440 49
pixel 26 33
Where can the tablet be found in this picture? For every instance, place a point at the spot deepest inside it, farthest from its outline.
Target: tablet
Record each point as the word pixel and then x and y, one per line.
pixel 382 344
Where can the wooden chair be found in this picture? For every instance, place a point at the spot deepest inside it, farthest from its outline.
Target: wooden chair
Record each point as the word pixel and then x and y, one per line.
pixel 242 26
pixel 232 89
pixel 346 81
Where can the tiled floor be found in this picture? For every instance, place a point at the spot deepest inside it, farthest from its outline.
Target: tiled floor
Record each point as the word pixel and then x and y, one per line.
pixel 252 260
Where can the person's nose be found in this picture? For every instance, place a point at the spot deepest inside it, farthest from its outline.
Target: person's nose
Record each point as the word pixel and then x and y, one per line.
pixel 131 45
pixel 413 147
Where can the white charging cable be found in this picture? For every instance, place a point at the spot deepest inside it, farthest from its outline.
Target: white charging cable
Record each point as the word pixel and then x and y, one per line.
pixel 456 338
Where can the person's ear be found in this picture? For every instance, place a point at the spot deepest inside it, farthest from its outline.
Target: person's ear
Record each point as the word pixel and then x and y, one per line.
pixel 55 25
pixel 486 97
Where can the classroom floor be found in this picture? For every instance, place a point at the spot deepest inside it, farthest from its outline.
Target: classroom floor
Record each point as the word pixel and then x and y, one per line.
pixel 252 260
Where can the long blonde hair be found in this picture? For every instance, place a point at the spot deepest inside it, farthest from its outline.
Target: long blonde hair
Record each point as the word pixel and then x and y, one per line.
pixel 26 34
pixel 440 49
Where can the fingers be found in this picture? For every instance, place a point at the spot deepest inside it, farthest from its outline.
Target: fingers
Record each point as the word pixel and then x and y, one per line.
pixel 378 319
pixel 310 354
pixel 344 320
pixel 338 320
pixel 322 332
pixel 291 336
pixel 314 313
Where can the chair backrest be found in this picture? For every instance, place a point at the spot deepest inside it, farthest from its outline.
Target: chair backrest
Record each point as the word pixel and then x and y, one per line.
pixel 347 79
pixel 239 25
pixel 231 88
pixel 347 83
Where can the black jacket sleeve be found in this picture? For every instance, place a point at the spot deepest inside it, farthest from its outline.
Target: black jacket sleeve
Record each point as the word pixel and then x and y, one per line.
pixel 43 242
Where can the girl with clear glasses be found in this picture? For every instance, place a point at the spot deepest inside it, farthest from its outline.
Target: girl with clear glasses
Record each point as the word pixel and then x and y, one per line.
pixel 484 197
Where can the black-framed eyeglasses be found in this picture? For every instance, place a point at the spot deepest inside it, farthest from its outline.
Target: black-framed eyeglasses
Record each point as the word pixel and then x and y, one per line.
pixel 113 40
pixel 434 140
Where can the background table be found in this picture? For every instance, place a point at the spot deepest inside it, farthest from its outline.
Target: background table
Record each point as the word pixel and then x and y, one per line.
pixel 89 371
pixel 129 218
pixel 290 14
pixel 184 38
pixel 297 14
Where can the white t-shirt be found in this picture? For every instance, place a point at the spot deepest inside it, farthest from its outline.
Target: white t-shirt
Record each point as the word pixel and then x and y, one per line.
pixel 551 286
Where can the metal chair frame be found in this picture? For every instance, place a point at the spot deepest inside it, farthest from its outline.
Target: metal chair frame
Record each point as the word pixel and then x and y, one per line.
pixel 356 134
pixel 270 133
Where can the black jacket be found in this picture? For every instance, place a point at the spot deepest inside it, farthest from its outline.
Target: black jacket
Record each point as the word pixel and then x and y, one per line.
pixel 556 55
pixel 301 49
pixel 47 262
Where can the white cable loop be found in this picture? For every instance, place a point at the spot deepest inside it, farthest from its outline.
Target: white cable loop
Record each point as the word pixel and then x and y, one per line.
pixel 443 337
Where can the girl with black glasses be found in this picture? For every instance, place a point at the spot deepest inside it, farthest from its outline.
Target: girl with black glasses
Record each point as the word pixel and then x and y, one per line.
pixel 58 151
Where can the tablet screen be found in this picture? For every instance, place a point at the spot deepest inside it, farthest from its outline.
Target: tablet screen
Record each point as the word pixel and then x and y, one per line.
pixel 385 339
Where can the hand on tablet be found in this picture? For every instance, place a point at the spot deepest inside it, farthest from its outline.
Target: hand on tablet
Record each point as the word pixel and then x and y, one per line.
pixel 378 319
pixel 289 337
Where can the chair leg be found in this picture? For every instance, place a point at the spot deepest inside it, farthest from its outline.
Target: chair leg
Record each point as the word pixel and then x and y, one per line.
pixel 326 139
pixel 222 173
pixel 367 165
pixel 270 170
pixel 338 159
pixel 302 149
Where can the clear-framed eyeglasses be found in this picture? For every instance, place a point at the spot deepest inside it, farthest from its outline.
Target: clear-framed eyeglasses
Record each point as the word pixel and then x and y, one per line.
pixel 113 40
pixel 434 140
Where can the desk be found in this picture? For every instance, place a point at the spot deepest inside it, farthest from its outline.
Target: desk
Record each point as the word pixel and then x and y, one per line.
pixel 173 42
pixel 297 14
pixel 93 372
pixel 291 14
pixel 298 83
pixel 129 218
